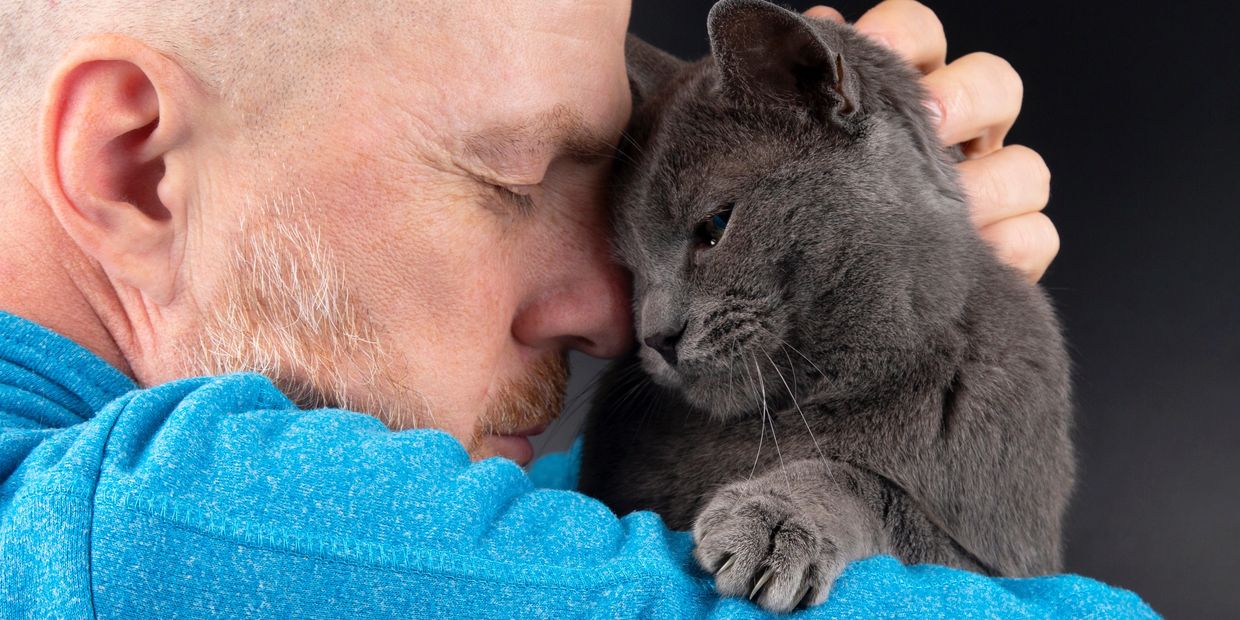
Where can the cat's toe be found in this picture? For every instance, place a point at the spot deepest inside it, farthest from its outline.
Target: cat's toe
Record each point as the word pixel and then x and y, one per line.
pixel 799 570
pixel 734 552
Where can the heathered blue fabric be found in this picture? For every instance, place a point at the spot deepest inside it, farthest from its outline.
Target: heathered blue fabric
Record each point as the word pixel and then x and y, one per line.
pixel 216 497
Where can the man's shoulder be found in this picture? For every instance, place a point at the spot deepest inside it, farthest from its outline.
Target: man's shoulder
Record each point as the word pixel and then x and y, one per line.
pixel 190 425
pixel 228 394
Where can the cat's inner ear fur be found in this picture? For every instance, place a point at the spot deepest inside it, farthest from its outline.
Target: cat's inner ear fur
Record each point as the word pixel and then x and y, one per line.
pixel 649 68
pixel 773 55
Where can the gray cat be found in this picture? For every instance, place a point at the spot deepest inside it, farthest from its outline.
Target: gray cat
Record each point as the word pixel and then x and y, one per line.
pixel 832 364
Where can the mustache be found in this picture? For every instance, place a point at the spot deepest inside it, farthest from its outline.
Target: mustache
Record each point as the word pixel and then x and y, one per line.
pixel 532 401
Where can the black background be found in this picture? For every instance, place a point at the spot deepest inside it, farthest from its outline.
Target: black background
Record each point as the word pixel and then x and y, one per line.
pixel 1137 112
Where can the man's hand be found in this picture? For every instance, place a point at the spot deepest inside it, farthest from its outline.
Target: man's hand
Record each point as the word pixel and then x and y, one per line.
pixel 976 100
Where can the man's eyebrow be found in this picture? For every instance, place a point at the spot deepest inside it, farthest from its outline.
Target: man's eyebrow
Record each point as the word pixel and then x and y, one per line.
pixel 560 133
pixel 589 146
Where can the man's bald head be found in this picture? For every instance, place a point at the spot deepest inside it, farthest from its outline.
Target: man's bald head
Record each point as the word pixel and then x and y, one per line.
pixel 259 58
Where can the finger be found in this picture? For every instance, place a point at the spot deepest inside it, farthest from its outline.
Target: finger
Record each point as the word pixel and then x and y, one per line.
pixel 1028 243
pixel 911 29
pixel 825 12
pixel 1012 181
pixel 978 99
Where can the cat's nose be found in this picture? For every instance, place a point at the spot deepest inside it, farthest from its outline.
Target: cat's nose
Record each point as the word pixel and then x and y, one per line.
pixel 665 343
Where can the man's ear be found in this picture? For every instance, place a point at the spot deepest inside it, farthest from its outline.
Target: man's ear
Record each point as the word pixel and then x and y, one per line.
pixel 774 55
pixel 114 174
pixel 649 68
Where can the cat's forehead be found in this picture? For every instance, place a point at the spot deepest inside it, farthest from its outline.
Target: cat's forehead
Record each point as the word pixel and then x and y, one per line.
pixel 701 144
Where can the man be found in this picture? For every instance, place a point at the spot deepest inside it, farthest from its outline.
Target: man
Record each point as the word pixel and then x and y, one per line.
pixel 394 208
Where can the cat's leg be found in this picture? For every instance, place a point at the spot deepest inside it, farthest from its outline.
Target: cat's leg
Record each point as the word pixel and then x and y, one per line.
pixel 782 538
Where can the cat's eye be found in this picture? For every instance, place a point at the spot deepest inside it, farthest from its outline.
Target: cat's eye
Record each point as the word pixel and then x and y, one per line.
pixel 710 230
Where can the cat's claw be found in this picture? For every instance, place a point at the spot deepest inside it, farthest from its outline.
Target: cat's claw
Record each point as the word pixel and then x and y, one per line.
pixel 726 565
pixel 757 587
pixel 808 594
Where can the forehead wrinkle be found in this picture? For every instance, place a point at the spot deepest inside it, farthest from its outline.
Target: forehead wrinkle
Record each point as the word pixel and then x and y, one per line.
pixel 506 149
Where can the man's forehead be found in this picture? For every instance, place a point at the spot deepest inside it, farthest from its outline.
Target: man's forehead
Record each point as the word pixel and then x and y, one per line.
pixel 559 132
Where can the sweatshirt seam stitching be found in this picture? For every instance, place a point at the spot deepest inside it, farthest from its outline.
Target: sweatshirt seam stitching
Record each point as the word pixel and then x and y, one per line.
pixel 94 489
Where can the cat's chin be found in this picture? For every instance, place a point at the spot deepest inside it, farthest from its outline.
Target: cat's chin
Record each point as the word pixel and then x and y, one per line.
pixel 718 400
pixel 706 394
pixel 716 393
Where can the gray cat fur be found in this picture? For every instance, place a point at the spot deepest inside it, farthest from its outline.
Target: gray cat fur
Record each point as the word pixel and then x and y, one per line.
pixel 858 373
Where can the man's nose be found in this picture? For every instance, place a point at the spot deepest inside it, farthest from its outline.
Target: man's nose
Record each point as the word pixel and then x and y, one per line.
pixel 587 308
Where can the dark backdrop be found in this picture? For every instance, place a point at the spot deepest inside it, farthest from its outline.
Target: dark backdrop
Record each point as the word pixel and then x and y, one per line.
pixel 1137 113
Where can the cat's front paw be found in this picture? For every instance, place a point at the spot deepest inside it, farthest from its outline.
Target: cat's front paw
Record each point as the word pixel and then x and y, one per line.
pixel 760 544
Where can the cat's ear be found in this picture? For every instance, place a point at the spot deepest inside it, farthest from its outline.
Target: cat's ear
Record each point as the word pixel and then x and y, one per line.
pixel 774 55
pixel 649 67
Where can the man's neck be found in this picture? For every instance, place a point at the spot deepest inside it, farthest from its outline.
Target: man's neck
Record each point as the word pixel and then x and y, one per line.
pixel 45 278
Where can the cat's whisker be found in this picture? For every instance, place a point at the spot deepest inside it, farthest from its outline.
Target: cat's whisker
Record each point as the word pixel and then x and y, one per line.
pixel 757 455
pixel 649 398
pixel 753 385
pixel 785 343
pixel 638 396
pixel 633 390
pixel 792 369
pixel 638 380
pixel 631 373
pixel 624 135
pixel 731 391
pixel 624 157
pixel 576 403
pixel 805 357
pixel 731 366
pixel 577 400
pixel 798 407
pixel 766 413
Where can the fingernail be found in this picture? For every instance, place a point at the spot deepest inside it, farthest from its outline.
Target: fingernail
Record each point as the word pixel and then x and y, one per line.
pixel 934 110
pixel 825 12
